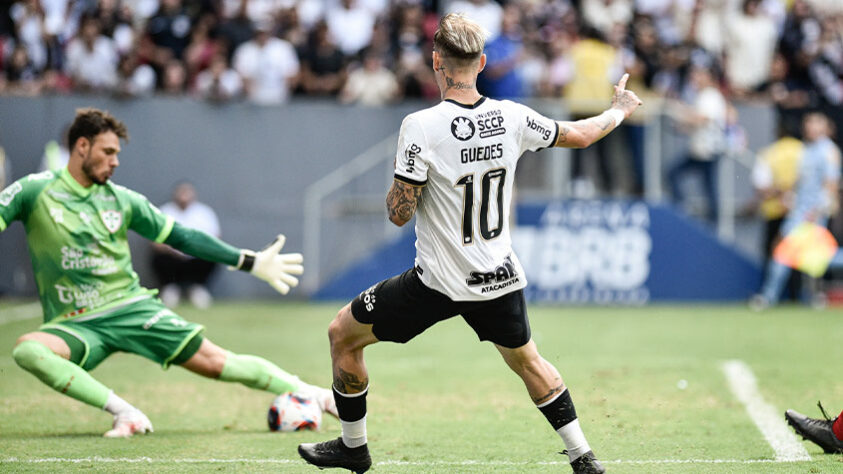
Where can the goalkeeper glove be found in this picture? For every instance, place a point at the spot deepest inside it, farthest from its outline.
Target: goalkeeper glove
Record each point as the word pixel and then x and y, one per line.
pixel 273 267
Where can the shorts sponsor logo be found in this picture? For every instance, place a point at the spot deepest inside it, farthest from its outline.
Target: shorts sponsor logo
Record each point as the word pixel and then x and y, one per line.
pixel 503 276
pixel 82 295
pixel 368 298
pixel 151 321
pixel 112 220
pixel 9 193
pixel 462 128
pixel 79 259
pixel 412 154
pixel 538 127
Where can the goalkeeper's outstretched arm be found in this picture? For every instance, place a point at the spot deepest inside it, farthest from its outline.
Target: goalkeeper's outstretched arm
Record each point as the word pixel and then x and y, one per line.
pixel 269 264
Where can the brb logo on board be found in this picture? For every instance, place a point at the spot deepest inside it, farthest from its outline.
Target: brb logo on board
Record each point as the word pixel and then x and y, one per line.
pixel 462 128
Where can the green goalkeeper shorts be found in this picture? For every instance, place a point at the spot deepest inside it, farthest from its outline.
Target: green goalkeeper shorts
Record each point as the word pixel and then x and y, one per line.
pixel 146 328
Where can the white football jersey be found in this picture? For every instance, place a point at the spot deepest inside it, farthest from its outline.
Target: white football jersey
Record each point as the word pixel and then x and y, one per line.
pixel 465 157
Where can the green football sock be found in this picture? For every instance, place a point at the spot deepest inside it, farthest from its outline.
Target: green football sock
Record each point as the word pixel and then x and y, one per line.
pixel 258 373
pixel 60 374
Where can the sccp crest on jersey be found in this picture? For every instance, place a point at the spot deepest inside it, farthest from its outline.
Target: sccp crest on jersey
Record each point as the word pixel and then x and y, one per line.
pixel 462 128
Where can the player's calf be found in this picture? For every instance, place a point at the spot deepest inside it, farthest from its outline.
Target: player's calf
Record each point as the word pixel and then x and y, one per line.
pixel 59 374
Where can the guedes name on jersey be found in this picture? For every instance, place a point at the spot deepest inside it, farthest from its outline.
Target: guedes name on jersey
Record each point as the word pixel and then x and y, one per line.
pixel 481 153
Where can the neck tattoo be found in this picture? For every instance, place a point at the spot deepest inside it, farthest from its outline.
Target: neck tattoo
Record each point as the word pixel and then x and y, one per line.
pixel 451 84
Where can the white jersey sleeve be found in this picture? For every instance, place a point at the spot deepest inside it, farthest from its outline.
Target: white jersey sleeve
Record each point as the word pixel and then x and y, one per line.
pixel 535 131
pixel 410 159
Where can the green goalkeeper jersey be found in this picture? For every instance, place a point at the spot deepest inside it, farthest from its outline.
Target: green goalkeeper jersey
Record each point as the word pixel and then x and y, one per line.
pixel 77 240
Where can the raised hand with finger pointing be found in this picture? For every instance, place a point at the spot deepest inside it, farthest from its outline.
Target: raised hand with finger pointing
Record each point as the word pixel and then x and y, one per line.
pixel 624 100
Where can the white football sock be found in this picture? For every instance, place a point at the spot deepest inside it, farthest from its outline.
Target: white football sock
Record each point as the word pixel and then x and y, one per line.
pixel 354 432
pixel 115 404
pixel 574 439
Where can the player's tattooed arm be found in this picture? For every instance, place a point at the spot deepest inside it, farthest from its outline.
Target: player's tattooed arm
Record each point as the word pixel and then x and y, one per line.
pixel 346 382
pixel 401 202
pixel 583 133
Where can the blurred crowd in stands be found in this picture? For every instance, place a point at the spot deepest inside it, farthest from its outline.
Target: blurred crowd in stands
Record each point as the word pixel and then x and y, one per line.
pixel 702 56
pixel 376 51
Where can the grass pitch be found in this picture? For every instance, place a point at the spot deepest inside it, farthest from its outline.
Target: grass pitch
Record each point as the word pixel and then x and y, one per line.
pixel 447 403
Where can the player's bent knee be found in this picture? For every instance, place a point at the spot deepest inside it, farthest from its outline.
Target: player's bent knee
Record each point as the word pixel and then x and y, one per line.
pixel 338 329
pixel 30 336
pixel 334 329
pixel 347 335
pixel 337 335
pixel 27 353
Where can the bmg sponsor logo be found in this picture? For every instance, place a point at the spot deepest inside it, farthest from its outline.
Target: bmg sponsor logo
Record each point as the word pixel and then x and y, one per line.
pixel 412 153
pixel 538 127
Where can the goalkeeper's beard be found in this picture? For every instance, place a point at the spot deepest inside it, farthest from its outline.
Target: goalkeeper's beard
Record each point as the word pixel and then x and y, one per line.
pixel 88 169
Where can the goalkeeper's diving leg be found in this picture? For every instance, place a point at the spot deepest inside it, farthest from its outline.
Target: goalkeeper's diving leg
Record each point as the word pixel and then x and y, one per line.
pixel 254 372
pixel 46 356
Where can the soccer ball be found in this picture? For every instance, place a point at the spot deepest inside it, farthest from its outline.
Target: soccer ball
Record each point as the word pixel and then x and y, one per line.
pixel 291 412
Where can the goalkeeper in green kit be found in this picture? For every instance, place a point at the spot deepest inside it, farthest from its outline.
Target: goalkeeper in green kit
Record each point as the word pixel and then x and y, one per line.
pixel 76 224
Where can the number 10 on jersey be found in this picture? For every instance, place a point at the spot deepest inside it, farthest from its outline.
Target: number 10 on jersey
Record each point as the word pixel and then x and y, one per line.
pixel 494 177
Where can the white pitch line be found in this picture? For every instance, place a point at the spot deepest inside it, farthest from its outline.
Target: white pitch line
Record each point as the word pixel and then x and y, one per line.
pixel 20 313
pixel 766 417
pixel 148 460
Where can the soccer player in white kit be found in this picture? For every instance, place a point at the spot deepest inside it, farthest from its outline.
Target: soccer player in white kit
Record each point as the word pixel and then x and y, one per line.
pixel 455 168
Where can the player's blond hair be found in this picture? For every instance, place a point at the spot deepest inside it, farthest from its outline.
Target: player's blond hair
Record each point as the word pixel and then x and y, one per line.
pixel 459 39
